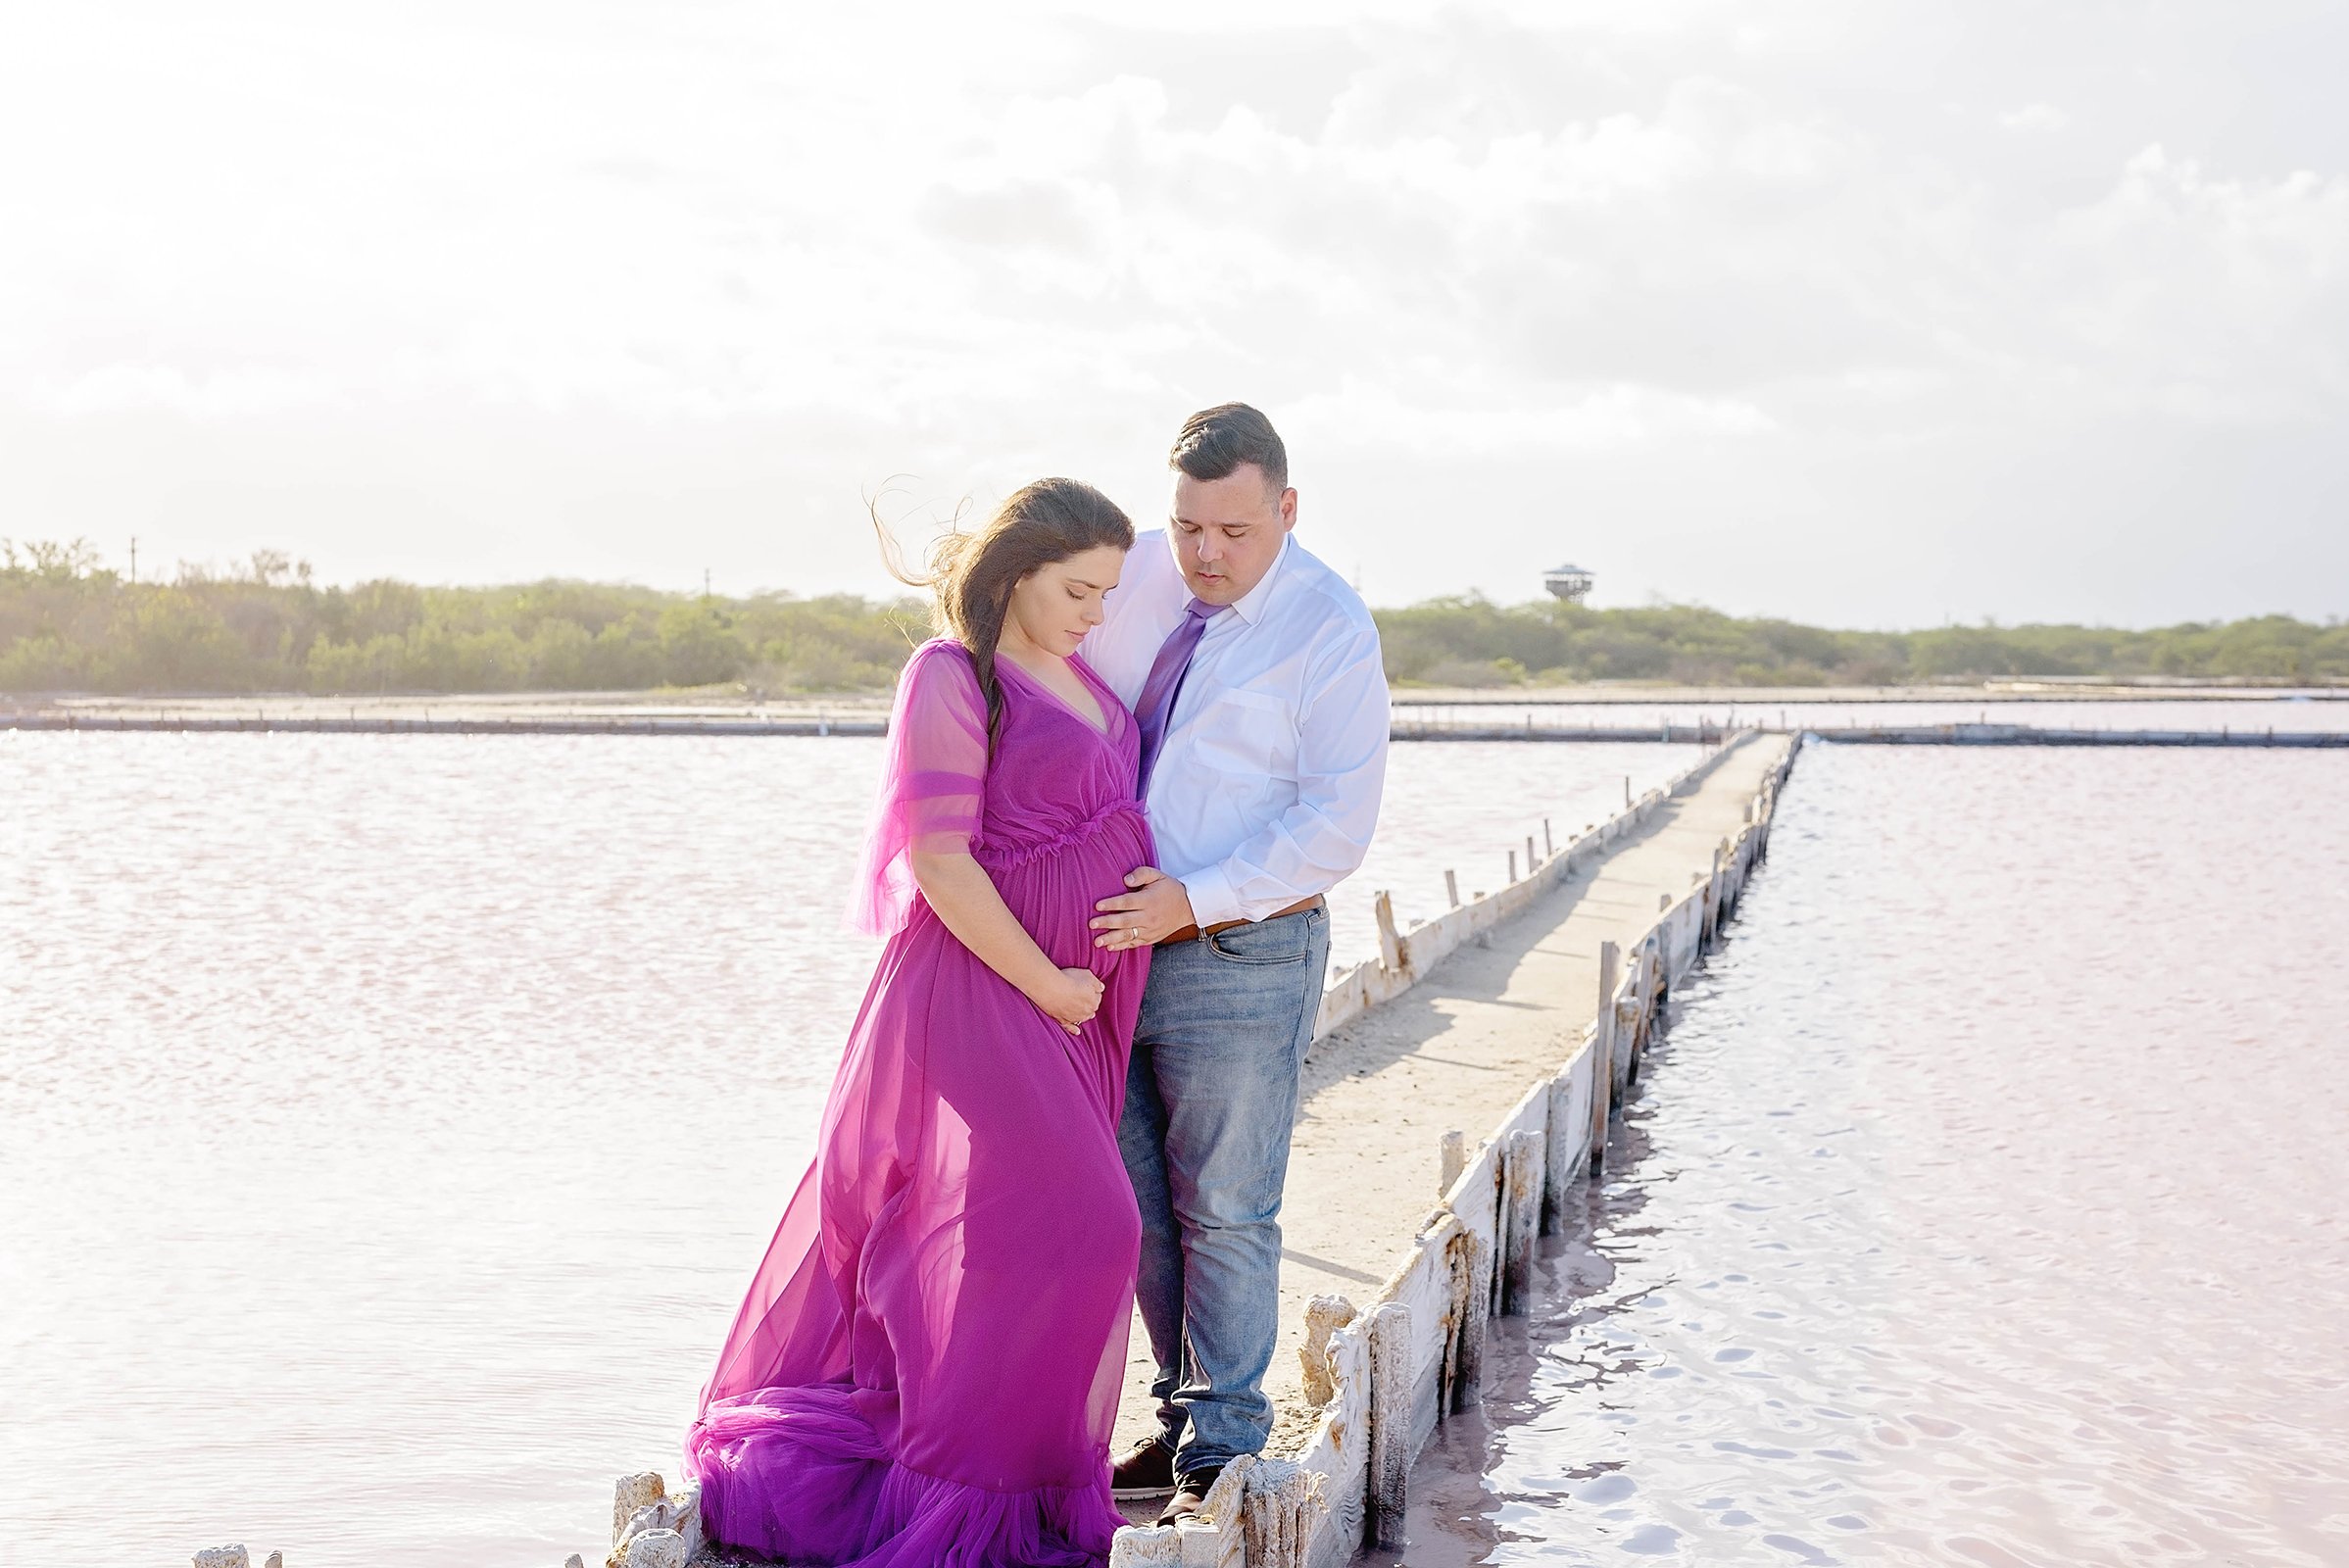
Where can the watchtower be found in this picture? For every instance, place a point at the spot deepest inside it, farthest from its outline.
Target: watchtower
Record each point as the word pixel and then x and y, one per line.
pixel 1568 583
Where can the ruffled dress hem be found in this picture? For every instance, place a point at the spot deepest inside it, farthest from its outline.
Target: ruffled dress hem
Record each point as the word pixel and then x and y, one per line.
pixel 782 1471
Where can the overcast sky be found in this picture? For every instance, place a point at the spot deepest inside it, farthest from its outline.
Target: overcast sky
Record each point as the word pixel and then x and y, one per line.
pixel 1870 313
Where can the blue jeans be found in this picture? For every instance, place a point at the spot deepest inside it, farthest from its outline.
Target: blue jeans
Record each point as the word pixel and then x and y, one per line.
pixel 1210 1102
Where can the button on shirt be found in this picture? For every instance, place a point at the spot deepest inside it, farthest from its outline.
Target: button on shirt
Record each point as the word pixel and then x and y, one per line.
pixel 1267 786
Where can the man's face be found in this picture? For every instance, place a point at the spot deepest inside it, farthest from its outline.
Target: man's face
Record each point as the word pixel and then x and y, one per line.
pixel 1227 531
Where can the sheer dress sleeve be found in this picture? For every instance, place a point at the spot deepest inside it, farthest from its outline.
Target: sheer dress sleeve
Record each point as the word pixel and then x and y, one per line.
pixel 933 775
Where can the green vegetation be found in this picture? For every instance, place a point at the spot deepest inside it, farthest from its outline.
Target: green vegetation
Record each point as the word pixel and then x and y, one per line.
pixel 68 623
pixel 1471 642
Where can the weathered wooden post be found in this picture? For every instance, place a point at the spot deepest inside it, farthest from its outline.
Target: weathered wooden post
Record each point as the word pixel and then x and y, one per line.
pixel 1602 1061
pixel 1150 1547
pixel 1390 1422
pixel 1451 888
pixel 1530 861
pixel 1548 847
pixel 1391 948
pixel 1720 883
pixel 1324 1316
pixel 1557 1156
pixel 1520 1217
pixel 1283 1502
pixel 1471 1257
pixel 1631 1020
pixel 1512 865
pixel 1454 1156
pixel 633 1491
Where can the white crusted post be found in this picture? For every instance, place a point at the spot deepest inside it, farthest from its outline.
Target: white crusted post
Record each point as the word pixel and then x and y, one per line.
pixel 1391 1384
pixel 688 1505
pixel 1391 948
pixel 1556 1156
pixel 656 1548
pixel 1472 1288
pixel 1627 1043
pixel 1284 1502
pixel 1603 1046
pixel 1520 1215
pixel 1453 1158
pixel 1324 1314
pixel 1145 1546
pixel 1215 1536
pixel 629 1493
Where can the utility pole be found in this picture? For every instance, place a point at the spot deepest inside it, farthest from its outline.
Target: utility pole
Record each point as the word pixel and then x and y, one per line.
pixel 705 585
pixel 134 560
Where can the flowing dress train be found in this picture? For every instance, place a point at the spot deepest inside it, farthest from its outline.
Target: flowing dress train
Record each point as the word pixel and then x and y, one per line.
pixel 926 1367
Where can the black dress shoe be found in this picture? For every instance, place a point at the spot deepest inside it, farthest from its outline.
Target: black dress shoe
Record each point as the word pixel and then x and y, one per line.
pixel 1146 1472
pixel 1191 1494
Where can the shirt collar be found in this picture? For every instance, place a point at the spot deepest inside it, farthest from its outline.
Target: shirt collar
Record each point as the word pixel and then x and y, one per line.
pixel 1249 606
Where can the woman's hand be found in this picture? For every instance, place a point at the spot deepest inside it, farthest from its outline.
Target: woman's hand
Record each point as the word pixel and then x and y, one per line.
pixel 1071 1001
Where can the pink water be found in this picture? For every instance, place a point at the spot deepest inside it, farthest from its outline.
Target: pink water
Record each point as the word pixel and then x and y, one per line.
pixel 1984 1205
pixel 348 1086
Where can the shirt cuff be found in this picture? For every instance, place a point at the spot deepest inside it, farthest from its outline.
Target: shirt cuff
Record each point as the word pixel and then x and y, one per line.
pixel 1213 898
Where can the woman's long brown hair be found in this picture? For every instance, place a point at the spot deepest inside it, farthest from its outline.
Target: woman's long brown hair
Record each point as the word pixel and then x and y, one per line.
pixel 972 571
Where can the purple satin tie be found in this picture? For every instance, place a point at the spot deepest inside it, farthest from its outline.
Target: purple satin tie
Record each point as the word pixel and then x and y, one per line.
pixel 1165 682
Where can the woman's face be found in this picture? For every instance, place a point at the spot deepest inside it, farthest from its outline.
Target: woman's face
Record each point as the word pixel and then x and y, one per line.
pixel 1053 606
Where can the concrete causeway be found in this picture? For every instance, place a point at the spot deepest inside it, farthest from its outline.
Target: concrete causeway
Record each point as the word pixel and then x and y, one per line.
pixel 1456 1053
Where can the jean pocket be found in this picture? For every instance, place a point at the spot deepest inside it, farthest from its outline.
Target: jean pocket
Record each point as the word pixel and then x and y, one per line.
pixel 1271 941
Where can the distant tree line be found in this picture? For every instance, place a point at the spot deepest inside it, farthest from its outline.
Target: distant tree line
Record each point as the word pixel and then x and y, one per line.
pixel 67 624
pixel 1472 641
pixel 70 623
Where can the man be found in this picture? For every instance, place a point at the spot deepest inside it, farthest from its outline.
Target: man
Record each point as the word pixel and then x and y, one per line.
pixel 1253 672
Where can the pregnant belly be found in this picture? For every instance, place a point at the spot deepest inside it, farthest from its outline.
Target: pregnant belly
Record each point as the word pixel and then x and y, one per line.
pixel 1052 892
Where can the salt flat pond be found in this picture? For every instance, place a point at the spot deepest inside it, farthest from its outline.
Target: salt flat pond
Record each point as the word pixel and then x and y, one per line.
pixel 388 1125
pixel 1984 1205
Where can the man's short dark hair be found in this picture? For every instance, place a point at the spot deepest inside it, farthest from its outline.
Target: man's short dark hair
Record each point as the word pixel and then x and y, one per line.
pixel 1215 441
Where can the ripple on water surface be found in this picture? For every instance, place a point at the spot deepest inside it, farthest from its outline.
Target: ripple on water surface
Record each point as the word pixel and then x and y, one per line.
pixel 1983 1205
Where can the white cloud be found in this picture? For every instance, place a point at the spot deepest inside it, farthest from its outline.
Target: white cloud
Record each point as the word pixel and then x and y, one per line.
pixel 2035 117
pixel 1721 262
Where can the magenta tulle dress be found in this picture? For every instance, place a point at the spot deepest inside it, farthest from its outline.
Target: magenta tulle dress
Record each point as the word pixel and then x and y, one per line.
pixel 927 1366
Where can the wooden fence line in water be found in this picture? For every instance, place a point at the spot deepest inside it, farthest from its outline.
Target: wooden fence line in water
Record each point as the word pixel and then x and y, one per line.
pixel 1384 1377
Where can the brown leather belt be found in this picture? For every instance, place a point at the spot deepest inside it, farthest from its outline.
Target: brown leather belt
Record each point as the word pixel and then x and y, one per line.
pixel 1191 933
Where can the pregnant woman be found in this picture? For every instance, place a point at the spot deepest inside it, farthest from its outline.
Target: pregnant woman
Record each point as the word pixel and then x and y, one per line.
pixel 926 1367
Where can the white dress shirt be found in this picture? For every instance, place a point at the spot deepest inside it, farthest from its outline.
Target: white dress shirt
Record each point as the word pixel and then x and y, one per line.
pixel 1266 788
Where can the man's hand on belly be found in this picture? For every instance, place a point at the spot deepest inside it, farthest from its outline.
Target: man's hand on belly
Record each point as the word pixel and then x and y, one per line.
pixel 1154 909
